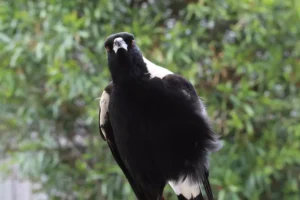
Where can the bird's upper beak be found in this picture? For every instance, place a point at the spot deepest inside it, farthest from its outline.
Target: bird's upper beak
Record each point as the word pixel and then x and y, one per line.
pixel 118 44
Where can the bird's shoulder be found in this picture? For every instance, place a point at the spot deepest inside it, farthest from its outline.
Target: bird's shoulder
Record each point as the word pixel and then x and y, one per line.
pixel 177 82
pixel 170 92
pixel 109 88
pixel 180 86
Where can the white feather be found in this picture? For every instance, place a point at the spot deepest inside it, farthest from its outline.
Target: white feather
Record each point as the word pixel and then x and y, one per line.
pixel 104 102
pixel 155 70
pixel 186 188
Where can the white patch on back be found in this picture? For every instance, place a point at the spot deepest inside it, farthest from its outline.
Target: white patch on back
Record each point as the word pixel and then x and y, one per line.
pixel 104 102
pixel 155 70
pixel 186 188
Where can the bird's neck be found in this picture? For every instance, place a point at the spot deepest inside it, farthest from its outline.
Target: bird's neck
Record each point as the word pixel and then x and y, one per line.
pixel 129 70
pixel 130 75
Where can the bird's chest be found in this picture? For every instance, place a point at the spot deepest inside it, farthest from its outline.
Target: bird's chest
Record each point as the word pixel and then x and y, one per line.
pixel 127 112
pixel 131 122
pixel 135 112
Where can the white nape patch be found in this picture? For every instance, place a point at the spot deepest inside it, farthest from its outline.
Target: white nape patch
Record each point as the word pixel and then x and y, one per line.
pixel 104 102
pixel 155 70
pixel 119 43
pixel 186 188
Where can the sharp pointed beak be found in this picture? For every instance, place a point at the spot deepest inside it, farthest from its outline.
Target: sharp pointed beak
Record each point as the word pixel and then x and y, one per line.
pixel 119 43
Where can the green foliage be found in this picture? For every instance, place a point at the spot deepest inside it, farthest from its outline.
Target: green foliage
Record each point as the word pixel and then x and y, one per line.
pixel 242 56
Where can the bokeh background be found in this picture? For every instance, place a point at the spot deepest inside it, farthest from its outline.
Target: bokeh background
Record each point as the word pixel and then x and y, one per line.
pixel 242 56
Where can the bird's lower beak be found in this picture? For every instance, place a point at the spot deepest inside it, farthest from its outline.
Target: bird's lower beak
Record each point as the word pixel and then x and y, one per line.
pixel 119 43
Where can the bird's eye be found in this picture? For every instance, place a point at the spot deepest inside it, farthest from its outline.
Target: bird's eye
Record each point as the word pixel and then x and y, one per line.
pixel 107 48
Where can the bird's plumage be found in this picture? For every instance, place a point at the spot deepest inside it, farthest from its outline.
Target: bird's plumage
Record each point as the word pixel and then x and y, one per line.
pixel 155 125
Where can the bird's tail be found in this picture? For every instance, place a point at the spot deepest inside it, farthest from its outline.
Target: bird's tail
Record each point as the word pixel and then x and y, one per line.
pixel 207 187
pixel 199 197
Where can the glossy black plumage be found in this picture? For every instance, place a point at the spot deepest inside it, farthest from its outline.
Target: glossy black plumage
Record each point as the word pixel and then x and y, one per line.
pixel 155 127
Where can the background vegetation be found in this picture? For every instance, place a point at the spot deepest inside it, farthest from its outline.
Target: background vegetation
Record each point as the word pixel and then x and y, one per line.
pixel 243 57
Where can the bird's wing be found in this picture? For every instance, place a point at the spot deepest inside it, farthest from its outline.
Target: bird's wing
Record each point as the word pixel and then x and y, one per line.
pixel 106 132
pixel 182 98
pixel 103 111
pixel 160 72
pixel 182 91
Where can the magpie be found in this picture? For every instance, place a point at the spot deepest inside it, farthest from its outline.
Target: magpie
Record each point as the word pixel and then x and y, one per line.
pixel 155 125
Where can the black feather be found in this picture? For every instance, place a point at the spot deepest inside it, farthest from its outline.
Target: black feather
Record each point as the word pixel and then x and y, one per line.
pixel 158 129
pixel 207 187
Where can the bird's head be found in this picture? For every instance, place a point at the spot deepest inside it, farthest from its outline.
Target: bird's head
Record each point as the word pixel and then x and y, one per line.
pixel 125 59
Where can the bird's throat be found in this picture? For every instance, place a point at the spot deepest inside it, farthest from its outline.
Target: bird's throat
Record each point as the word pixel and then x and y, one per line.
pixel 127 68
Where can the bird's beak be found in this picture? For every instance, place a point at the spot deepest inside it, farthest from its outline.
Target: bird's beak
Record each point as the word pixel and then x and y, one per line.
pixel 119 43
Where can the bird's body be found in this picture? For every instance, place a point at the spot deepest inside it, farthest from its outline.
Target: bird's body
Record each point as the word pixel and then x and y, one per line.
pixel 156 125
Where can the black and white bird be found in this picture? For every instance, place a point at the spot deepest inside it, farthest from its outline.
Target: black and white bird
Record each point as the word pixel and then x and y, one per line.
pixel 155 124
